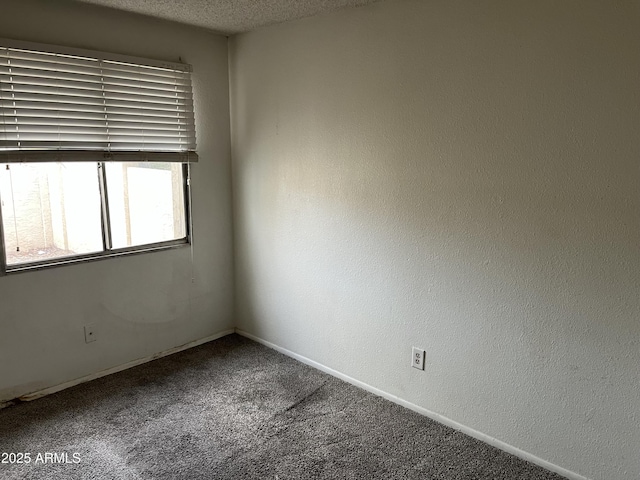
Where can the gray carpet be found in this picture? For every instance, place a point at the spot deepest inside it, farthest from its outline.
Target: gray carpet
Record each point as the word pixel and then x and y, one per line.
pixel 234 409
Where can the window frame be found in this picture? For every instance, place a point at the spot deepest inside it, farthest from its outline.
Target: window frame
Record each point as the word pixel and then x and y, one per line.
pixel 100 158
pixel 107 250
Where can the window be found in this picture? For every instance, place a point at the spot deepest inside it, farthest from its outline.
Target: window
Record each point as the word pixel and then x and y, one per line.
pixel 94 155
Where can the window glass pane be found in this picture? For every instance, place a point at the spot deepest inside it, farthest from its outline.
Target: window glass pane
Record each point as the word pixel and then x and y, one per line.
pixel 50 210
pixel 146 202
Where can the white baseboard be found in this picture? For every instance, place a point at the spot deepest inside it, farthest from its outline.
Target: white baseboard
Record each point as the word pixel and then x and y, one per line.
pixel 423 411
pixel 134 363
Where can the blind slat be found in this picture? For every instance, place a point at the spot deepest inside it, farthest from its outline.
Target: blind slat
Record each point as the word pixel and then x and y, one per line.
pixel 95 156
pixel 35 83
pixel 50 77
pixel 63 117
pixel 94 144
pixel 52 110
pixel 87 97
pixel 156 130
pixel 52 62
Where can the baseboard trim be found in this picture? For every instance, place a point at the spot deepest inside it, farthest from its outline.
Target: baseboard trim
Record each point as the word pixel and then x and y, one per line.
pixel 423 411
pixel 103 373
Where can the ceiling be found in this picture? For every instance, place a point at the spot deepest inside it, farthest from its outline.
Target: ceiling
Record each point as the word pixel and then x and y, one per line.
pixel 228 16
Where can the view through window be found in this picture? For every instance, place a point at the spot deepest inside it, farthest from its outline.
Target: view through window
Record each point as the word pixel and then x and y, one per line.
pixel 60 210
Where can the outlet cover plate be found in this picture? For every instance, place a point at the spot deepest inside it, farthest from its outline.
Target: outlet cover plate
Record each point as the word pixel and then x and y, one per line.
pixel 89 333
pixel 417 358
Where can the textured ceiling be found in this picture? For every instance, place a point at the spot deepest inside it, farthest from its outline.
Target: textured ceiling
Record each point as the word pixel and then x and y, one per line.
pixel 228 16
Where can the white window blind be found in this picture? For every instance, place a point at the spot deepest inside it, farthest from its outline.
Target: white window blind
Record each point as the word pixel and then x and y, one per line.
pixel 64 106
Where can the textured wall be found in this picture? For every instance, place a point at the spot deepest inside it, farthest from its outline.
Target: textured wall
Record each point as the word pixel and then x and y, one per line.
pixel 460 176
pixel 141 304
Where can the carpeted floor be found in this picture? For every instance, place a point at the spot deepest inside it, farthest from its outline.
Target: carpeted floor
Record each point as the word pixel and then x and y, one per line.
pixel 234 409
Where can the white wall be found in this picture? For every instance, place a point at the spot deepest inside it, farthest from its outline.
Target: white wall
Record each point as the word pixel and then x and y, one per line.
pixel 460 176
pixel 142 304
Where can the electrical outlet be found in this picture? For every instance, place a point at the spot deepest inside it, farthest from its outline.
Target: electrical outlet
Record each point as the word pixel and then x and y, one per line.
pixel 417 358
pixel 90 333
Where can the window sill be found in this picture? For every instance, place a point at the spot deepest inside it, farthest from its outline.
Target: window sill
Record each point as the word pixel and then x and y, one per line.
pixel 92 257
